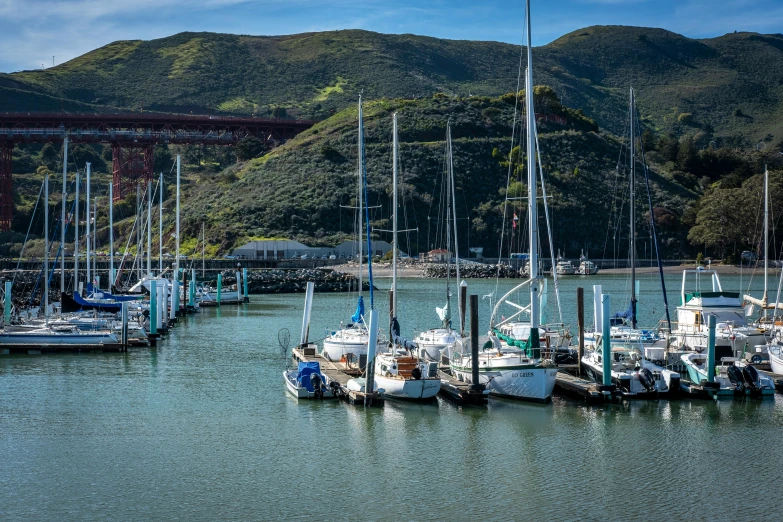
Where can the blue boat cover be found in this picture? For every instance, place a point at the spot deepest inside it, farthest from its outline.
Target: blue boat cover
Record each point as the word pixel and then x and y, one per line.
pixel 357 316
pixel 305 370
pixel 107 295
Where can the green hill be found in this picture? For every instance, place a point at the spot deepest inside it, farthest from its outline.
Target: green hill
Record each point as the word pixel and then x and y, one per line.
pixel 731 86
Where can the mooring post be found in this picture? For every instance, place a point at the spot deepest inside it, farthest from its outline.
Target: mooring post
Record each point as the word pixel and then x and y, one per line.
pixel 474 343
pixel 239 285
pixel 463 304
pixel 164 309
pixel 580 317
pixel 606 339
pixel 369 387
pixel 305 337
pixel 192 296
pixel 185 288
pixel 153 306
pixel 219 287
pixel 246 297
pixel 7 305
pixel 711 348
pixel 598 322
pixel 124 314
pixel 174 299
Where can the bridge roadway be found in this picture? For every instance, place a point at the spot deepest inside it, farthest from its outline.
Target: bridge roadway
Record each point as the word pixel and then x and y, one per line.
pixel 132 136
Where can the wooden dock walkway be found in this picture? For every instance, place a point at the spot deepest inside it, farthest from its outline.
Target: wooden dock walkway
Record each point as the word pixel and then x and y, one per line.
pixel 461 393
pixel 341 373
pixel 590 391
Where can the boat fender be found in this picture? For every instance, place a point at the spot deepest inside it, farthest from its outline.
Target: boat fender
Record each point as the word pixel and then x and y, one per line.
pixel 646 379
pixel 416 373
pixel 751 376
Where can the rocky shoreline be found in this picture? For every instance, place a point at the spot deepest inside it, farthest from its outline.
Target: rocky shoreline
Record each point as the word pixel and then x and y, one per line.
pixel 472 271
pixel 280 281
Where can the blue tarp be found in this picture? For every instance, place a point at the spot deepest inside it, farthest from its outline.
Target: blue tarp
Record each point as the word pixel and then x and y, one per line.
pixel 305 370
pixel 359 313
pixel 625 314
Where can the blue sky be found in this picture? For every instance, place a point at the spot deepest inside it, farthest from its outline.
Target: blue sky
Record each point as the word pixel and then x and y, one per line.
pixel 32 31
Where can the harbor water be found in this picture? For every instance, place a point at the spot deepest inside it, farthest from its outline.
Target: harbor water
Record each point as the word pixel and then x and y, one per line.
pixel 202 428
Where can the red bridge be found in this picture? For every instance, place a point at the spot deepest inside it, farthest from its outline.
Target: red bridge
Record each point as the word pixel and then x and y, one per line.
pixel 132 137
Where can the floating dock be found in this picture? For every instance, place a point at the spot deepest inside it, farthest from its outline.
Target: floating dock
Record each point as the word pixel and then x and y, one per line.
pixel 461 393
pixel 590 391
pixel 340 372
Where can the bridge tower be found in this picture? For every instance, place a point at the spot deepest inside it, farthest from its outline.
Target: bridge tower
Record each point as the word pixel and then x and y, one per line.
pixel 6 186
pixel 131 165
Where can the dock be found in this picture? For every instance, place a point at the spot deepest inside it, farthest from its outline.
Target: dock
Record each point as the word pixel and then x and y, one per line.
pixel 341 372
pixel 590 391
pixel 776 378
pixel 459 392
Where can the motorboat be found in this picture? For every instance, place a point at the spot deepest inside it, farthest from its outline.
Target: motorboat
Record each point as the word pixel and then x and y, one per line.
pixel 732 376
pixel 307 382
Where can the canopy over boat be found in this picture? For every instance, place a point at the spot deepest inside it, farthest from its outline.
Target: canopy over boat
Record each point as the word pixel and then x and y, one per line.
pixel 305 369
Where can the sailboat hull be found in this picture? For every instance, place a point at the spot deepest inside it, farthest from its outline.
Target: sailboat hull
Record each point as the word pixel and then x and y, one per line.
pixel 408 389
pixel 526 383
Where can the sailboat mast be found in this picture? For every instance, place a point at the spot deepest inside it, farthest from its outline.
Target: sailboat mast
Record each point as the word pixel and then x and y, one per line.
pixel 111 236
pixel 95 239
pixel 532 193
pixel 88 236
pixel 361 192
pixel 395 151
pixel 176 262
pixel 766 235
pixel 633 215
pixel 46 248
pixel 203 248
pixel 447 319
pixel 160 224
pixel 76 237
pixel 454 225
pixel 62 219
pixel 149 228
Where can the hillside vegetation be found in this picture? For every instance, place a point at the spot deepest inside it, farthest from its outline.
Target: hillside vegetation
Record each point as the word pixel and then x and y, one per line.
pixel 729 87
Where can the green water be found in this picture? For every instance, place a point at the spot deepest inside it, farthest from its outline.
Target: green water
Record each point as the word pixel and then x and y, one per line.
pixel 201 428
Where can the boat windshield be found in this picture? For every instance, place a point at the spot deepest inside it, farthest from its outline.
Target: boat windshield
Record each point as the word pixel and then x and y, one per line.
pixel 732 317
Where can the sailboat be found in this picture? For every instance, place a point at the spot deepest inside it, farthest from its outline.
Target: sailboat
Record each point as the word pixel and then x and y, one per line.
pixel 401 374
pixel 350 341
pixel 512 364
pixel 433 342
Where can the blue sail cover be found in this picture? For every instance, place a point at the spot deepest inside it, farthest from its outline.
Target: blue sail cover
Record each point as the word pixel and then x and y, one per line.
pixel 626 314
pixel 359 313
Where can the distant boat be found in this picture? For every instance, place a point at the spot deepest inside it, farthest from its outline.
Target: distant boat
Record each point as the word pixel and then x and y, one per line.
pixel 564 267
pixel 586 267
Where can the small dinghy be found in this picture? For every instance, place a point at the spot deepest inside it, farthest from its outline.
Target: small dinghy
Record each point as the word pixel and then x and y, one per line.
pixel 307 382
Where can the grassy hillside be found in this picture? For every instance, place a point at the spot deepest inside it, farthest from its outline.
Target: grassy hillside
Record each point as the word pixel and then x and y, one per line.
pixel 723 87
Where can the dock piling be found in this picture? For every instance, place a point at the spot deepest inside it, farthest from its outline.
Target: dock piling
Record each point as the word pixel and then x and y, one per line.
pixel 463 303
pixel 219 287
pixel 369 387
pixel 580 317
pixel 174 298
pixel 246 298
pixel 710 348
pixel 307 309
pixel 153 307
pixel 474 344
pixel 124 334
pixel 606 341
pixel 7 305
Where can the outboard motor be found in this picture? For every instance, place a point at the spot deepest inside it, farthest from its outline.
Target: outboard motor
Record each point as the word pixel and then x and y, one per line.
pixel 646 379
pixel 416 373
pixel 735 376
pixel 318 386
pixel 751 376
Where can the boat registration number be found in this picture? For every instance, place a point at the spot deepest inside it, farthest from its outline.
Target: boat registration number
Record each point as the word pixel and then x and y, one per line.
pixel 522 374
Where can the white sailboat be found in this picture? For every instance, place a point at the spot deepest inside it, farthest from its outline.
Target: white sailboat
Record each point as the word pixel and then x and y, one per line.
pixel 350 341
pixel 513 367
pixel 401 374
pixel 432 343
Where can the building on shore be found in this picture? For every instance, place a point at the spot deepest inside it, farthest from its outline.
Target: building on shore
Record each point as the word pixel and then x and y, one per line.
pixel 278 249
pixel 439 255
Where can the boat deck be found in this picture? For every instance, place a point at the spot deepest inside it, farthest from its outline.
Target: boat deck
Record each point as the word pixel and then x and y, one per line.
pixel 340 372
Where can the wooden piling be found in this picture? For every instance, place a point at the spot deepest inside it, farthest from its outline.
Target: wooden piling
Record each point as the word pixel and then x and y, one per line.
pixel 580 316
pixel 474 343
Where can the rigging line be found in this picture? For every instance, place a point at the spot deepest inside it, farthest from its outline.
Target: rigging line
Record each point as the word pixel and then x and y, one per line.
pixel 511 152
pixel 548 224
pixel 27 236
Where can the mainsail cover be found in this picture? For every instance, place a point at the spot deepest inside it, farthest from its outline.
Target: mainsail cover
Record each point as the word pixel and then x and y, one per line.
pixel 359 313
pixel 443 313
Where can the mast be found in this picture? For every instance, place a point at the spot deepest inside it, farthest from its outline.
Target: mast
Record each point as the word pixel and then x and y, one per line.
pixel 203 248
pixel 176 262
pixel 46 247
pixel 395 152
pixel 361 193
pixel 89 228
pixel 76 238
pixel 138 230
pixel 633 216
pixel 532 196
pixel 62 218
pixel 447 319
pixel 160 224
pixel 95 239
pixel 149 228
pixel 766 236
pixel 454 224
pixel 111 236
